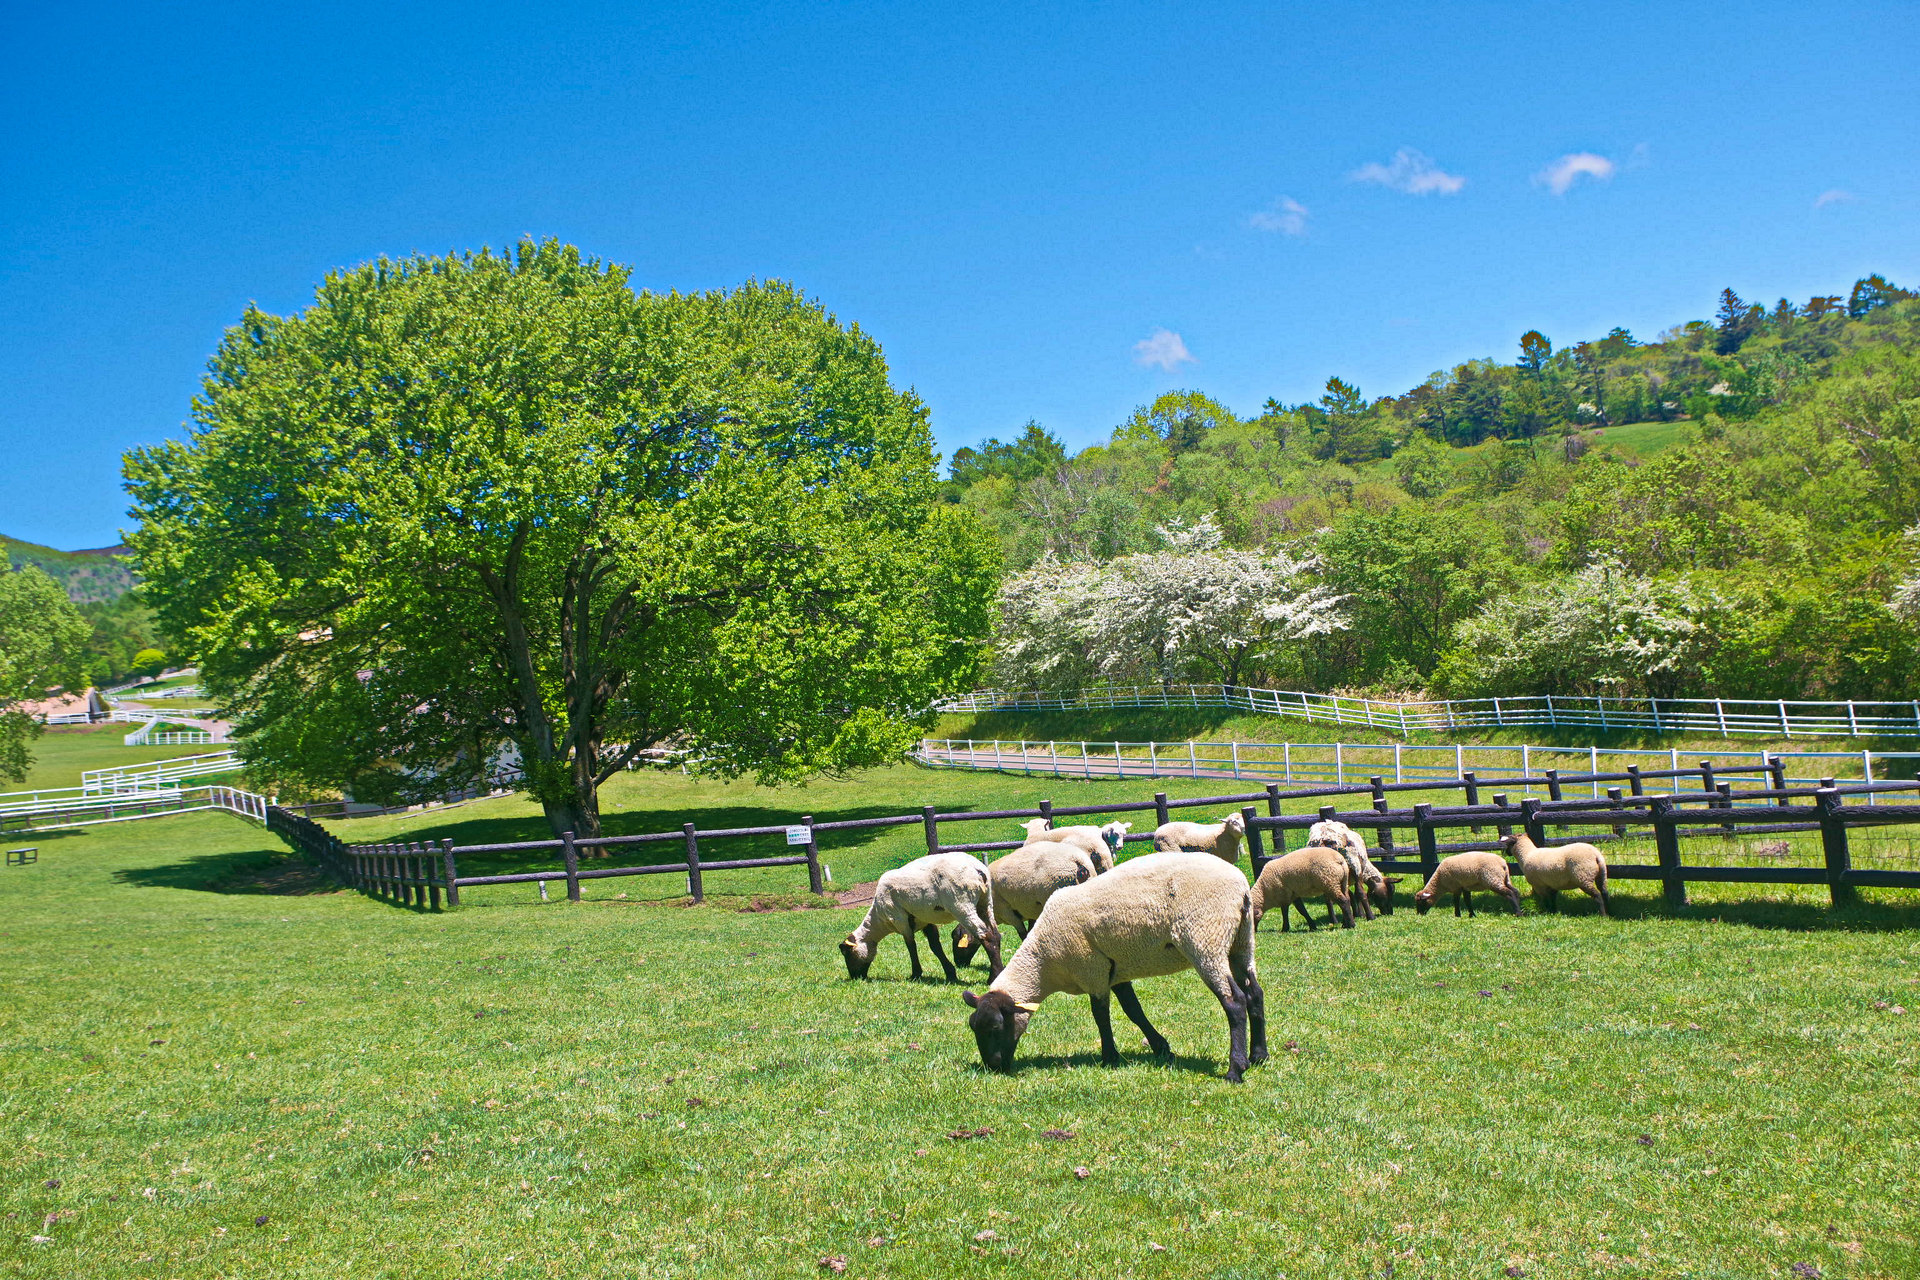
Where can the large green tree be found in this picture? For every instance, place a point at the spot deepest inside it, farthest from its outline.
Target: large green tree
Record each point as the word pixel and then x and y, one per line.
pixel 41 641
pixel 466 502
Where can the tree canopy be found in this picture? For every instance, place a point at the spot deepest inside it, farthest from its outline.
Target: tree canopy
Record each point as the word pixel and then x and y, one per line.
pixel 488 504
pixel 41 634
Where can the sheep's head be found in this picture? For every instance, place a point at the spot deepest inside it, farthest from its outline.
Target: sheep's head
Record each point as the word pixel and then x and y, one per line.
pixel 1383 893
pixel 1114 836
pixel 1034 828
pixel 998 1021
pixel 1510 844
pixel 859 959
pixel 1236 823
pixel 1423 901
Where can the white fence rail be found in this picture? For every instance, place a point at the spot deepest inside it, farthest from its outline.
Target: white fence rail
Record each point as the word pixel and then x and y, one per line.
pixel 51 810
pixel 128 778
pixel 1723 717
pixel 1341 763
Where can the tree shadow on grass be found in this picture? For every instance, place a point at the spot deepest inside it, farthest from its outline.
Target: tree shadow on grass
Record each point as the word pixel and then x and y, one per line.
pixel 270 872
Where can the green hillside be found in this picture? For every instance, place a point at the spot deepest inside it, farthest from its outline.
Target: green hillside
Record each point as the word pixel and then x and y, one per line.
pixel 96 576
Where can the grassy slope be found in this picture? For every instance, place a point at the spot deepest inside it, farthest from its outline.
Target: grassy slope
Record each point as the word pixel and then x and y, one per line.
pixel 622 1089
pixel 1217 724
pixel 87 575
pixel 62 753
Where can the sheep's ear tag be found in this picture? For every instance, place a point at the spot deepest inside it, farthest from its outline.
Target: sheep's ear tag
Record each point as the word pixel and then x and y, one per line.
pixel 849 937
pixel 1024 1007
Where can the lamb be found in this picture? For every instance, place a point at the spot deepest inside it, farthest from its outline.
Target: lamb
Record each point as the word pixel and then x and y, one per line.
pixel 1461 874
pixel 1155 915
pixel 1223 839
pixel 1379 888
pixel 925 893
pixel 1102 842
pixel 1317 871
pixel 1565 866
pixel 1024 879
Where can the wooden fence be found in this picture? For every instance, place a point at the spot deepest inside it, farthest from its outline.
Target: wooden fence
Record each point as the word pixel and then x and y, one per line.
pixel 427 874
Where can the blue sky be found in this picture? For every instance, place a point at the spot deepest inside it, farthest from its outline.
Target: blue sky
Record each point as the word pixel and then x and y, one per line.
pixel 1013 199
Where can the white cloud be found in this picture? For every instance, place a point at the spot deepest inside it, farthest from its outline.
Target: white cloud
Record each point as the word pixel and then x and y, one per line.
pixel 1163 349
pixel 1287 216
pixel 1835 196
pixel 1411 172
pixel 1559 176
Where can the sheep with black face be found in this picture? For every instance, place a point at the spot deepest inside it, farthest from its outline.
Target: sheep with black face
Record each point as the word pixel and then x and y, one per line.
pixel 920 896
pixel 1155 915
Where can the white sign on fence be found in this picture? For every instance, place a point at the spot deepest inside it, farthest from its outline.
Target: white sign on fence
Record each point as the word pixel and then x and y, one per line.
pixel 797 835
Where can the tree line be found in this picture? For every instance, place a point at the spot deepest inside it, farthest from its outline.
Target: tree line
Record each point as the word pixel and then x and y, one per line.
pixel 1496 531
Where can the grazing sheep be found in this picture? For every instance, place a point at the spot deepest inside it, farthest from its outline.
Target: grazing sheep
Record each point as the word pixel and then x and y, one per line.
pixel 1562 866
pixel 1461 874
pixel 1379 888
pixel 1024 879
pixel 1291 880
pixel 925 893
pixel 1102 842
pixel 1223 839
pixel 1155 915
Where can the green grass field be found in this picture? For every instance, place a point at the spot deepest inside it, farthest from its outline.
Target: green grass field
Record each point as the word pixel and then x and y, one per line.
pixel 64 752
pixel 218 1066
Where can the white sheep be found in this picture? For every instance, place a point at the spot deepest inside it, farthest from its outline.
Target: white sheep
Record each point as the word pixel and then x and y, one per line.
pixel 1155 915
pixel 1294 879
pixel 1223 839
pixel 1463 873
pixel 1024 879
pixel 1563 866
pixel 927 892
pixel 1102 842
pixel 1378 887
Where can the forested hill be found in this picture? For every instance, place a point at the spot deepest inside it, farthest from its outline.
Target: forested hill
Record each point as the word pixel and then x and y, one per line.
pixel 1732 507
pixel 88 576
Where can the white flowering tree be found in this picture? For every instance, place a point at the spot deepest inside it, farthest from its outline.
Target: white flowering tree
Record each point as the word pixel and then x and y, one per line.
pixel 1193 608
pixel 1601 631
pixel 1906 596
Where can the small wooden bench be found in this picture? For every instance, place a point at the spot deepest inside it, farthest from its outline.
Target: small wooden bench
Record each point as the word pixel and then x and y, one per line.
pixel 21 857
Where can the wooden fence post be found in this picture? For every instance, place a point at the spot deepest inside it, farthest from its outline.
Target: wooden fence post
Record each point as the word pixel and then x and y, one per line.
pixel 1833 842
pixel 417 873
pixel 453 874
pixel 1255 857
pixel 571 857
pixel 696 887
pixel 814 883
pixel 1614 802
pixel 1429 845
pixel 1384 839
pixel 1273 811
pixel 931 827
pixel 1634 781
pixel 1471 785
pixel 1505 830
pixel 1666 837
pixel 1530 817
pixel 1160 808
pixel 1777 770
pixel 1553 785
pixel 1725 790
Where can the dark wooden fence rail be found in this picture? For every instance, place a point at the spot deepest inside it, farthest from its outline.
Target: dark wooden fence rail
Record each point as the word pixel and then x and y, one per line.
pixel 425 875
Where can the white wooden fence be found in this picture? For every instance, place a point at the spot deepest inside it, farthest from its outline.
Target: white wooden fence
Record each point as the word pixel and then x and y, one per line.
pixel 1341 763
pixel 1722 717
pixel 156 775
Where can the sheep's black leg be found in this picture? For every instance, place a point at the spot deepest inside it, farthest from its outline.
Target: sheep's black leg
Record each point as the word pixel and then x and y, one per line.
pixel 1469 898
pixel 1103 1018
pixel 913 950
pixel 1130 1005
pixel 1308 915
pixel 933 940
pixel 1346 914
pixel 1551 900
pixel 1513 894
pixel 1359 890
pixel 1456 904
pixel 1606 907
pixel 1256 1001
pixel 1227 991
pixel 1020 926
